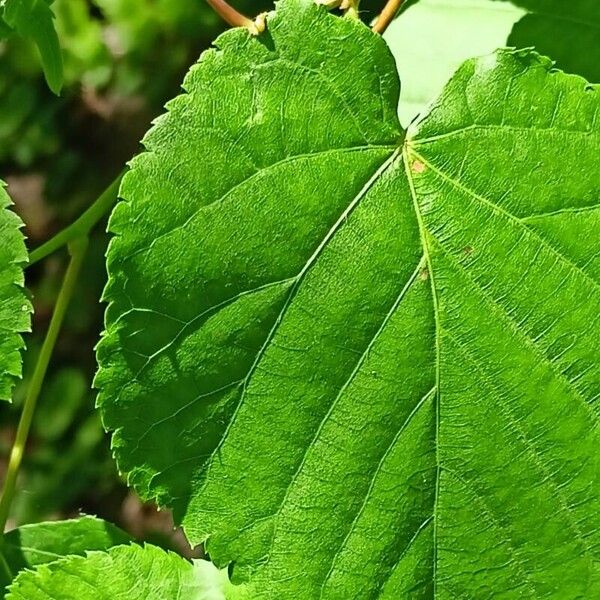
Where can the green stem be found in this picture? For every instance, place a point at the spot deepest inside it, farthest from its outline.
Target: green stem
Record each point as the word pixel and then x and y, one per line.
pixel 7 571
pixel 77 249
pixel 83 225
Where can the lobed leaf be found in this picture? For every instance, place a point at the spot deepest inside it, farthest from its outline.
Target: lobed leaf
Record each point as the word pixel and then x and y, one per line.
pixel 361 363
pixel 40 543
pixel 121 573
pixel 15 308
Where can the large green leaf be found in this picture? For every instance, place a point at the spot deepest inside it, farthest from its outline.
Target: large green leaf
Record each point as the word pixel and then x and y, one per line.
pixel 34 19
pixel 15 308
pixel 32 545
pixel 359 364
pixel 122 573
pixel 569 32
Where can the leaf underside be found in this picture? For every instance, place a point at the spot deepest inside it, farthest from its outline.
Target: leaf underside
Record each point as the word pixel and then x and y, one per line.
pixel 15 308
pixel 363 363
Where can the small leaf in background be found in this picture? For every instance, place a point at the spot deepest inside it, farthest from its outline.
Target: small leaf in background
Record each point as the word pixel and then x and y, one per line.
pixel 34 19
pixel 40 543
pixel 433 38
pixel 15 308
pixel 122 573
pixel 568 32
pixel 360 362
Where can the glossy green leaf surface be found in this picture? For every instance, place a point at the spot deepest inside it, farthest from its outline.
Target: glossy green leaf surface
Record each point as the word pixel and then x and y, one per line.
pixel 32 545
pixel 15 309
pixel 121 573
pixel 34 19
pixel 364 364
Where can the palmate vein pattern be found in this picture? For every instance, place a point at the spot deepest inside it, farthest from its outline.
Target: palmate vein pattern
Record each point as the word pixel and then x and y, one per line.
pixel 363 363
pixel 15 308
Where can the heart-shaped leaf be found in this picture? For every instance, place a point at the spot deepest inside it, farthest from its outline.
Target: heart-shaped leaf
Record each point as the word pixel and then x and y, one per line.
pixel 363 363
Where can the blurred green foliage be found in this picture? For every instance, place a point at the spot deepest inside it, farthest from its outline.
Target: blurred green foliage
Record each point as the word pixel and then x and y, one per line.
pixel 34 20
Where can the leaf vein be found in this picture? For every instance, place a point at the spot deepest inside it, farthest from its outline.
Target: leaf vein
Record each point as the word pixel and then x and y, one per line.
pixel 532 342
pixel 294 289
pixel 343 389
pixel 414 142
pixel 518 220
pixel 258 173
pixel 537 458
pixel 404 552
pixel 372 481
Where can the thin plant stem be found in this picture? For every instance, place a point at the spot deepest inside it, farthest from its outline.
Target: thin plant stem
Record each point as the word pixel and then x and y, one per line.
pixel 229 14
pixel 77 250
pixel 387 15
pixel 7 570
pixel 83 225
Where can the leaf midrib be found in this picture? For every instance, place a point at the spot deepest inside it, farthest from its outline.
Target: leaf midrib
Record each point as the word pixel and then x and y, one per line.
pixel 436 314
pixel 410 154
